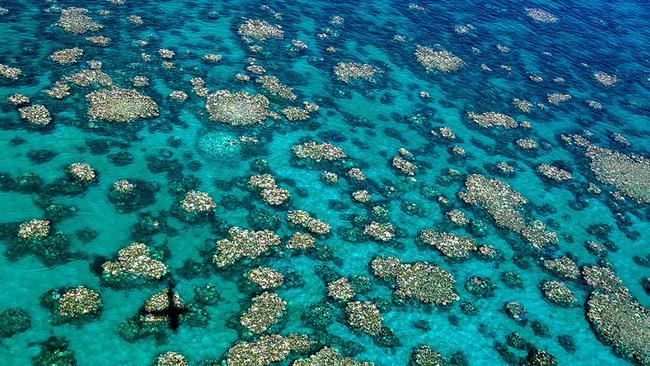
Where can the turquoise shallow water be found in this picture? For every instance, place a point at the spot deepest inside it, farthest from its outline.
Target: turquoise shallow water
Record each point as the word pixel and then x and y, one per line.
pixel 182 149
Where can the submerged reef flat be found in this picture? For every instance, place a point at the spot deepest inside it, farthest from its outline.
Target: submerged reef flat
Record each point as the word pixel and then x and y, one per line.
pixel 347 71
pixel 244 244
pixel 629 174
pixel 623 322
pixel 77 21
pixel 137 262
pixel 441 60
pixel 120 105
pixel 237 109
pixel 421 281
pixel 504 205
pixel 318 183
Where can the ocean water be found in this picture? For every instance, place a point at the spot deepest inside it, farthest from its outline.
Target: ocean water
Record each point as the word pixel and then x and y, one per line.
pixel 505 53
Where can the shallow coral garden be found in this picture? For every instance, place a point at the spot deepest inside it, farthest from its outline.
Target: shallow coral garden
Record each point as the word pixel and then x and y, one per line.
pixel 324 183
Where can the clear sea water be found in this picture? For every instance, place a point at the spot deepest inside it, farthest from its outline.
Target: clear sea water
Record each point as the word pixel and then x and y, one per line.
pixel 609 36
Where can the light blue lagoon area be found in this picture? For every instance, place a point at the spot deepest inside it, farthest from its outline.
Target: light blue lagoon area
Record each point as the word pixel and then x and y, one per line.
pixel 325 183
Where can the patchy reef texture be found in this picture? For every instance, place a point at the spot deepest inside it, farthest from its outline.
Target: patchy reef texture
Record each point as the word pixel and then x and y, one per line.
pixel 324 183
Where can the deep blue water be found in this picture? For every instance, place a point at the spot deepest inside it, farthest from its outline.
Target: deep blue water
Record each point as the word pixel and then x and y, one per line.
pixel 182 149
